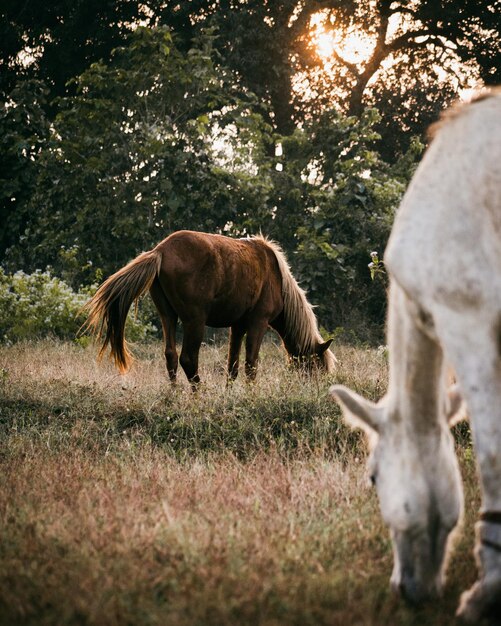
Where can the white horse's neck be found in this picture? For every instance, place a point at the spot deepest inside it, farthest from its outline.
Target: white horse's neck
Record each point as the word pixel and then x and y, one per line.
pixel 416 380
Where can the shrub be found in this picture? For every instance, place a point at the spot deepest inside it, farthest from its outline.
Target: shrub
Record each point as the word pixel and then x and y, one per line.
pixel 39 304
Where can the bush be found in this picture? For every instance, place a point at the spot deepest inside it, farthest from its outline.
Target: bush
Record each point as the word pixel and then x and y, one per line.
pixel 39 304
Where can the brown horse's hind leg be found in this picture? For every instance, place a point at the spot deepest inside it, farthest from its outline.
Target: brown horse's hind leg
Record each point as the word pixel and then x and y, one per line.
pixel 236 335
pixel 193 334
pixel 168 318
pixel 252 345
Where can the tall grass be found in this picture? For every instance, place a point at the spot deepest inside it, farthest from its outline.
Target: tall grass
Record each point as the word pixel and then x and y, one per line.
pixel 127 501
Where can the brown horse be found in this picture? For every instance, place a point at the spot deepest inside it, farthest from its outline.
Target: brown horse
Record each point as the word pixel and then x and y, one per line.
pixel 203 279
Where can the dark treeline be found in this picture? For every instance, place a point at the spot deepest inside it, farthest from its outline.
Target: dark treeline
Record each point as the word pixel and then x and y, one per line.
pixel 122 121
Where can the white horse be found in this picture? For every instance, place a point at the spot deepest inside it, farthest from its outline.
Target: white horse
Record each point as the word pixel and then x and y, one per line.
pixel 444 262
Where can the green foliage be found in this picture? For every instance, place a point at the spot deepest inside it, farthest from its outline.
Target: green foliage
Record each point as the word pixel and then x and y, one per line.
pixel 334 204
pixel 119 177
pixel 62 39
pixel 36 305
pixel 413 57
pixel 24 133
pixel 131 156
pixel 158 139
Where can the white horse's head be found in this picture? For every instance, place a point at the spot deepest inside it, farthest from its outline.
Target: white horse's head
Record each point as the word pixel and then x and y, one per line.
pixel 419 488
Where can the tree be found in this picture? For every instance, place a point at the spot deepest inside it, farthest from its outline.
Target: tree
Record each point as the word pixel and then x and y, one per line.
pixel 57 40
pixel 130 157
pixel 350 199
pixel 24 133
pixel 422 51
pixel 257 40
pixel 412 60
pixel 330 206
pixel 174 125
pixel 439 44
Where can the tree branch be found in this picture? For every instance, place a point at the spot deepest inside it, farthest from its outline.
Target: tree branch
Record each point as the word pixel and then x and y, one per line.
pixel 404 10
pixel 350 66
pixel 409 38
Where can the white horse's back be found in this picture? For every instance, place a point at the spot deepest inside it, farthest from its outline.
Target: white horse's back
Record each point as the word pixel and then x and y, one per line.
pixel 446 239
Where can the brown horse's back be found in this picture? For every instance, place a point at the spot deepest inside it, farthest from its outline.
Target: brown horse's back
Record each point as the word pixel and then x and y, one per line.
pixel 219 280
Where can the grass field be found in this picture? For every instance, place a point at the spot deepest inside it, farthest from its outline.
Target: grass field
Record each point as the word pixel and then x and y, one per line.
pixel 125 501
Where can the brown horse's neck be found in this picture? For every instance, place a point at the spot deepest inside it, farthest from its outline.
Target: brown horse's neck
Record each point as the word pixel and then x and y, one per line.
pixel 296 324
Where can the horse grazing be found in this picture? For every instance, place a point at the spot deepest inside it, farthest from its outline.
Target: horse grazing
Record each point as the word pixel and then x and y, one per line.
pixel 443 258
pixel 203 279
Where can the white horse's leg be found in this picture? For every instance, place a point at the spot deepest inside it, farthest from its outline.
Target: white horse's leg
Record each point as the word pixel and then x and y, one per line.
pixel 473 347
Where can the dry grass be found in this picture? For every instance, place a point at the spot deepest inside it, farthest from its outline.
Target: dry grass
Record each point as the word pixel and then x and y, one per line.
pixel 127 502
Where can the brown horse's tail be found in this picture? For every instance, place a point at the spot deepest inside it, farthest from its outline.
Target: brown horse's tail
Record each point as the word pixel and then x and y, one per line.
pixel 108 309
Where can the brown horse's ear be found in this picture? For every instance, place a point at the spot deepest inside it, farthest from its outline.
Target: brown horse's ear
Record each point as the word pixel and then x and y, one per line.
pixel 323 347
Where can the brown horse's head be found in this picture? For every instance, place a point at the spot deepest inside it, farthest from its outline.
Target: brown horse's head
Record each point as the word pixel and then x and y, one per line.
pixel 320 358
pixel 326 357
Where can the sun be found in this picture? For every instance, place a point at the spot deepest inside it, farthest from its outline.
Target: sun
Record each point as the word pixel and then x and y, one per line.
pixel 354 47
pixel 324 44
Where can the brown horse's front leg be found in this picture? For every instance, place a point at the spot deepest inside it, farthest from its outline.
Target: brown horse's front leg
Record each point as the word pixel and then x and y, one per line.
pixel 236 335
pixel 193 334
pixel 252 345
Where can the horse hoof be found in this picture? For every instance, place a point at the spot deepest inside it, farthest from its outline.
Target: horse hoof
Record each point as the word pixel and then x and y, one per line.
pixel 482 601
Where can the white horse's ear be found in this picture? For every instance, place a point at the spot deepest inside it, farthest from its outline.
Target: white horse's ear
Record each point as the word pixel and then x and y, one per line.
pixel 456 407
pixel 358 411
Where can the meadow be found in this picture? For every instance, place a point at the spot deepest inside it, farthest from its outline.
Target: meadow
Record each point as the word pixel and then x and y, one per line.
pixel 126 501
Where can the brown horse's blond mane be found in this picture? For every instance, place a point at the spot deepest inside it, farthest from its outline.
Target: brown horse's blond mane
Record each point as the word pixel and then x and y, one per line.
pixel 459 108
pixel 300 320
